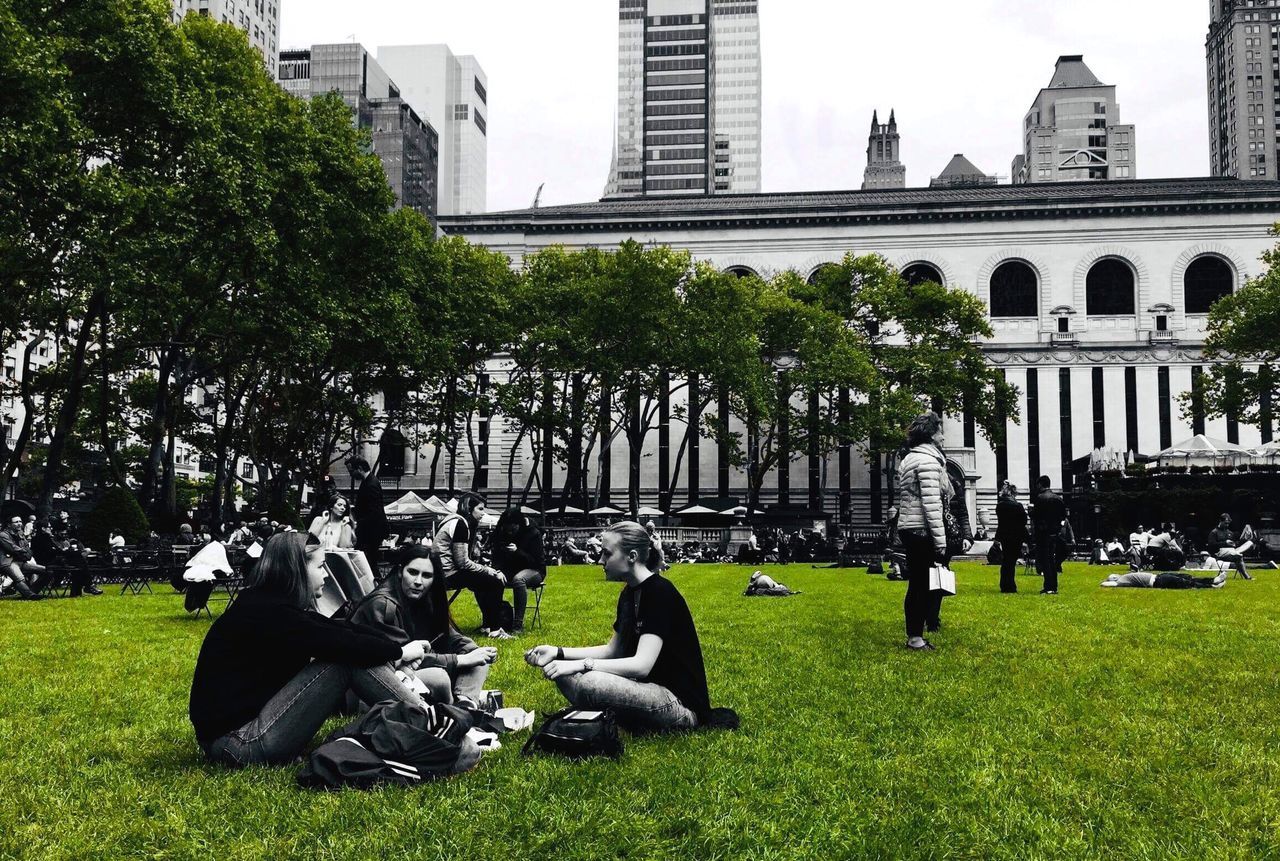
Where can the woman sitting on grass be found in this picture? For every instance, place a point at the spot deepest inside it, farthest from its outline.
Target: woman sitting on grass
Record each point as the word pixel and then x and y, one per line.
pixel 272 670
pixel 412 605
pixel 650 673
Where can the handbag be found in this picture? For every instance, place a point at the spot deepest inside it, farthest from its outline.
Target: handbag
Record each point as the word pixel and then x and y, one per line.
pixel 942 579
pixel 578 734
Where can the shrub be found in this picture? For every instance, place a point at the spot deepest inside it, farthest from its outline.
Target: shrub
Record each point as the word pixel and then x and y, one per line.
pixel 1135 469
pixel 118 510
pixel 1175 470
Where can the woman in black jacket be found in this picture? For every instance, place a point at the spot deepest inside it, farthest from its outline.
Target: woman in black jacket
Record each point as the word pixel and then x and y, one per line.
pixel 412 605
pixel 518 554
pixel 272 670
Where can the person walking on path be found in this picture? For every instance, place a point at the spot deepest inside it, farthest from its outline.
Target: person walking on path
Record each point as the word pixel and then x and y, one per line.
pixel 1047 515
pixel 922 490
pixel 1011 531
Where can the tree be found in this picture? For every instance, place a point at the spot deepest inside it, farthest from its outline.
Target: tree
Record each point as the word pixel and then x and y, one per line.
pixel 1242 339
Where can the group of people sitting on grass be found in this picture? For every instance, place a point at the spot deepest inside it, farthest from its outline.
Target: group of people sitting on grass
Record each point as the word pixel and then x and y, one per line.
pixel 272 670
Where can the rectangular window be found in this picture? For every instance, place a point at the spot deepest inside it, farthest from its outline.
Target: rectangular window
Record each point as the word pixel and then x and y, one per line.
pixel 1166 407
pixel 1064 423
pixel 1033 428
pixel 482 92
pixel 1099 417
pixel 1131 408
pixel 1197 399
pixel 1001 444
pixel 481 124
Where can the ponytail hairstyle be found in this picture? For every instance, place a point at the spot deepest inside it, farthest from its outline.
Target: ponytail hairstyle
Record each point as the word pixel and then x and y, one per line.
pixel 633 536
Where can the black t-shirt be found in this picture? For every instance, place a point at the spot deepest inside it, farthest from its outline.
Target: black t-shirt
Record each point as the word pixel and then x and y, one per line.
pixel 657 607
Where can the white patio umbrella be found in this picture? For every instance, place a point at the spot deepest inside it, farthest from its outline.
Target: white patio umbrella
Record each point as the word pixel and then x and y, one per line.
pixel 649 511
pixel 697 509
pixel 1205 448
pixel 606 509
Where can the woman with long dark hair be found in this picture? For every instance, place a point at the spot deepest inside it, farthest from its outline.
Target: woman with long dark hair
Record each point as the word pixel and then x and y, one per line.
pixel 454 544
pixel 923 495
pixel 412 604
pixel 272 670
pixel 518 554
pixel 650 672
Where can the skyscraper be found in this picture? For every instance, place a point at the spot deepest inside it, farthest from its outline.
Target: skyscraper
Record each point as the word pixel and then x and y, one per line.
pixel 407 145
pixel 1242 53
pixel 259 19
pixel 688 98
pixel 450 92
pixel 884 167
pixel 1072 132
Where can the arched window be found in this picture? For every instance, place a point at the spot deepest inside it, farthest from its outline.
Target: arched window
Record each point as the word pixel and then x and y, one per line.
pixel 1208 279
pixel 1108 289
pixel 740 271
pixel 817 273
pixel 918 273
pixel 1013 290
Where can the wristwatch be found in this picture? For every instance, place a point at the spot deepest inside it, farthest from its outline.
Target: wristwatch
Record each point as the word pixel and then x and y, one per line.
pixel 588 664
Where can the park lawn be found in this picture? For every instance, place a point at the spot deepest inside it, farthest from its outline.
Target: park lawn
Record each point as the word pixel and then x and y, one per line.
pixel 1093 724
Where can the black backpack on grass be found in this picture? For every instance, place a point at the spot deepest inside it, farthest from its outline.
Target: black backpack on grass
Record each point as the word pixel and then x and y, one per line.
pixel 578 734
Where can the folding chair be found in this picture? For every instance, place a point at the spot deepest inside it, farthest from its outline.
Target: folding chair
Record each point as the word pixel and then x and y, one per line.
pixel 139 572
pixel 537 605
pixel 196 598
pixel 57 581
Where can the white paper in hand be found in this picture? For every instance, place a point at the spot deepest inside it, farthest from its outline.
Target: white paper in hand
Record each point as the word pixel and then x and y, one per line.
pixel 254 550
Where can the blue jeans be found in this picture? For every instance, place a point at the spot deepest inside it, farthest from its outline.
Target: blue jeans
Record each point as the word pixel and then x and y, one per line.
pixel 293 716
pixel 638 705
pixel 445 688
pixel 520 583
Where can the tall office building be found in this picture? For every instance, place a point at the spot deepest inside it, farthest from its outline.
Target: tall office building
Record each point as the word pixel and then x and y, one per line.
pixel 688 98
pixel 259 19
pixel 1072 132
pixel 407 145
pixel 452 93
pixel 1242 53
pixel 884 166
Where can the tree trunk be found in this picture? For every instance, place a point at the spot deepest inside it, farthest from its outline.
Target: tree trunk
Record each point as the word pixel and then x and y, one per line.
pixel 70 407
pixel 115 469
pixel 23 438
pixel 156 427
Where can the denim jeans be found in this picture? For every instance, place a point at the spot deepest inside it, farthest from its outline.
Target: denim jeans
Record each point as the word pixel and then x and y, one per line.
pixel 520 585
pixel 638 705
pixel 444 688
pixel 293 716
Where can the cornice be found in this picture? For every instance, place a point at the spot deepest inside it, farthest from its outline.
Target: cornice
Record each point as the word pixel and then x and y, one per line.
pixel 1042 355
pixel 990 204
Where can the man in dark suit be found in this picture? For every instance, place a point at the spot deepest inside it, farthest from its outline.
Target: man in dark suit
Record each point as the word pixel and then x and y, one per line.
pixel 1011 531
pixel 371 517
pixel 1047 516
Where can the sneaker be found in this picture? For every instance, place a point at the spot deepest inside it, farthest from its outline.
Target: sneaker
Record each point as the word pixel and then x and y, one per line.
pixel 926 646
pixel 498 634
pixel 1048 591
pixel 93 590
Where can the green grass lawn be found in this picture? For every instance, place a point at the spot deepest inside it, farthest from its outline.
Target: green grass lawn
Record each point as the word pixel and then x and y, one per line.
pixel 1094 724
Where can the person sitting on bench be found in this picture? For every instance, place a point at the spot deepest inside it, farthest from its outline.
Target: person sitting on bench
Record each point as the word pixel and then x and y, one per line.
pixel 17 562
pixel 518 554
pixel 650 672
pixel 413 604
pixel 1170 580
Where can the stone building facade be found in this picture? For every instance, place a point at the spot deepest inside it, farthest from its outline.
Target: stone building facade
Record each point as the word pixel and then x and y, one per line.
pixel 1098 294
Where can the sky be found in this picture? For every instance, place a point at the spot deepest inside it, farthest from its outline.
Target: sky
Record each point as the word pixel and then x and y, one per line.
pixel 960 76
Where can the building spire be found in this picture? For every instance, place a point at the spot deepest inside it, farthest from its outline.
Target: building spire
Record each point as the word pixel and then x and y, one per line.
pixel 893 122
pixel 875 121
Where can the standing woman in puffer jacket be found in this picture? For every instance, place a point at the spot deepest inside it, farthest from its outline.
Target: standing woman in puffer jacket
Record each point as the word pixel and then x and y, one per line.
pixel 923 494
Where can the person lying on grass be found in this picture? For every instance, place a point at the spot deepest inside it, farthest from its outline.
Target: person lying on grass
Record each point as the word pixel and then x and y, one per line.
pixel 650 673
pixel 272 670
pixel 1148 580
pixel 412 605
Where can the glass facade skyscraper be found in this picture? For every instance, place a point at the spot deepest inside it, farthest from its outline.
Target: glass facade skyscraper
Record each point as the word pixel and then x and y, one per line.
pixel 688 98
pixel 407 145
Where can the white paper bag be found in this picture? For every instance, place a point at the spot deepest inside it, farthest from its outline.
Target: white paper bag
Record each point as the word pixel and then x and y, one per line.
pixel 942 579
